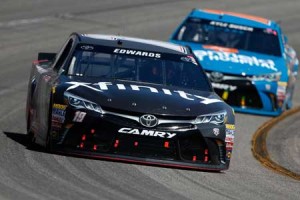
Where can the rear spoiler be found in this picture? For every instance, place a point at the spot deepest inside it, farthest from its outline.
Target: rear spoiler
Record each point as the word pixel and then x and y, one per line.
pixel 46 56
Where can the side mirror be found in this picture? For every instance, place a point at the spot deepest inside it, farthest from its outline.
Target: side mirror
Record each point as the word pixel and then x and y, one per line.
pixel 46 56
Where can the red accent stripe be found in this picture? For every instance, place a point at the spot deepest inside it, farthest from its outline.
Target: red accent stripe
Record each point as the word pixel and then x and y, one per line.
pixel 146 162
pixel 39 61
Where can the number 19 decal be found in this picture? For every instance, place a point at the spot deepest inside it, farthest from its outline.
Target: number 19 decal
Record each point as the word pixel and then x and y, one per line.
pixel 79 116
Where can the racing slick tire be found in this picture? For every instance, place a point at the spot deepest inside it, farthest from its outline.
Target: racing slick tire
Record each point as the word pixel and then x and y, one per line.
pixel 29 134
pixel 48 145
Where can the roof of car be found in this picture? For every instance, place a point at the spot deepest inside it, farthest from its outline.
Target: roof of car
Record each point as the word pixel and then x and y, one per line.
pixel 234 17
pixel 134 43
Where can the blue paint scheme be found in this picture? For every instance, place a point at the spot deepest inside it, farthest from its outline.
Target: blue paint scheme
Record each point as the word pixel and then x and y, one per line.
pixel 287 63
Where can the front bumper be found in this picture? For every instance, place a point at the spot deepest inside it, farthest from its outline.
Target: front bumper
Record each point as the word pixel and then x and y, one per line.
pixel 254 97
pixel 99 136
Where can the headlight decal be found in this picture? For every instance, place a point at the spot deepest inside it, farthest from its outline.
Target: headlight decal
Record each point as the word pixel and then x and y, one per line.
pixel 79 102
pixel 213 118
pixel 266 77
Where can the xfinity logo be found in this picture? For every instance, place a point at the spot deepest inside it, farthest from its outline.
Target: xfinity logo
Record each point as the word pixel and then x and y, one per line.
pixel 103 86
pixel 148 120
pixel 151 133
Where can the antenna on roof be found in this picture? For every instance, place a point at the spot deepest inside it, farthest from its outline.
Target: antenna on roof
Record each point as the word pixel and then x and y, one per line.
pixel 119 42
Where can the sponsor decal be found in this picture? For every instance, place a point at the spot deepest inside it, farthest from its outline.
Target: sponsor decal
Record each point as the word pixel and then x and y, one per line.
pixel 281 92
pixel 235 58
pixel 59 106
pixel 270 31
pixel 229 145
pixel 103 86
pixel 58 115
pixel 144 132
pixel 229 138
pixel 189 59
pixel 229 153
pixel 222 86
pixel 58 119
pixel 87 47
pixel 231 26
pixel 79 116
pixel 137 53
pixel 230 126
pixel 216 131
pixel 53 89
pixel 229 132
pixel 58 112
pixel 219 48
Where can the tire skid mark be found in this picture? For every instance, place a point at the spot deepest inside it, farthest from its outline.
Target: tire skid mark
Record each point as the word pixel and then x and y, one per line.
pixel 14 88
pixel 182 187
pixel 131 174
pixel 68 16
pixel 11 112
pixel 8 182
pixel 197 183
pixel 53 177
pixel 259 145
pixel 20 22
pixel 83 177
pixel 12 182
pixel 110 173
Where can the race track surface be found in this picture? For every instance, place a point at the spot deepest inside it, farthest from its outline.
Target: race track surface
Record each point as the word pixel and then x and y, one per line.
pixel 283 143
pixel 27 27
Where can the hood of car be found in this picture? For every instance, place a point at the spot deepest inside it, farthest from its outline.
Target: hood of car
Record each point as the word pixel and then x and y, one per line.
pixel 145 98
pixel 235 61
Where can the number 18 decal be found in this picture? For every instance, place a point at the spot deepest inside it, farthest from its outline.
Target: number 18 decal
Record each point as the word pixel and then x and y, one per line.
pixel 79 116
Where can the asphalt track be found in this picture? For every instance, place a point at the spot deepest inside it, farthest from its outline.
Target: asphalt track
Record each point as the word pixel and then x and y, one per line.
pixel 27 27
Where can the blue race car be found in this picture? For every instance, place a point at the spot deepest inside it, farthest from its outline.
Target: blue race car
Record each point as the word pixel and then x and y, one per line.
pixel 247 59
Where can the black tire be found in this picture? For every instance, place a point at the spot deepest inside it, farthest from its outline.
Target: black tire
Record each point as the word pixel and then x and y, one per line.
pixel 48 146
pixel 29 135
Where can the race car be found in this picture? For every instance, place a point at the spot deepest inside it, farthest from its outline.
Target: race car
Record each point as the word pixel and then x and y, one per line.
pixel 128 99
pixel 247 58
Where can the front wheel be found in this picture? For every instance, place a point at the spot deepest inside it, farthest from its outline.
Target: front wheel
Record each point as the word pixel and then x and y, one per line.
pixel 30 140
pixel 49 131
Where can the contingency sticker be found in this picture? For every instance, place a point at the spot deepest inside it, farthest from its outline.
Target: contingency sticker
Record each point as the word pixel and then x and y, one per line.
pixel 189 59
pixel 58 115
pixel 229 139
